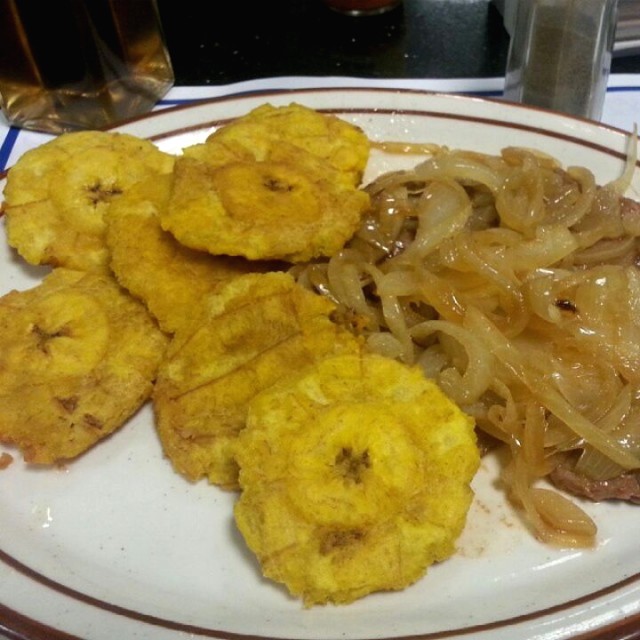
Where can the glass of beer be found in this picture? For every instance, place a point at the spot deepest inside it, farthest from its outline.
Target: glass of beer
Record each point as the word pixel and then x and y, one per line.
pixel 80 64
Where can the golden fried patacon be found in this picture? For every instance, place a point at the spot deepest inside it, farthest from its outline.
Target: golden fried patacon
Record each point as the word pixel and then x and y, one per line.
pixel 355 478
pixel 78 356
pixel 254 330
pixel 57 193
pixel 168 277
pixel 340 143
pixel 291 206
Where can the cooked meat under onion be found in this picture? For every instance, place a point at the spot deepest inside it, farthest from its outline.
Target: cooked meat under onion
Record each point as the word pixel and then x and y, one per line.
pixel 625 486
pixel 514 282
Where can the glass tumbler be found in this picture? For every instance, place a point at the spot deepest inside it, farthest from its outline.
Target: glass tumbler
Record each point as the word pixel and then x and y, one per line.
pixel 80 64
pixel 560 55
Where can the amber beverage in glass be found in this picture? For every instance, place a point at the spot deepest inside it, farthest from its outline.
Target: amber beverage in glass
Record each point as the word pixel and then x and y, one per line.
pixel 80 64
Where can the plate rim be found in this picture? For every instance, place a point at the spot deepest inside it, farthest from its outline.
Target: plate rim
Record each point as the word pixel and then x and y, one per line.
pixel 626 627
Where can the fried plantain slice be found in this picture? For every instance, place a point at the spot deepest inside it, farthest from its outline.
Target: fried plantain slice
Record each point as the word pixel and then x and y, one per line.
pixel 78 356
pixel 56 195
pixel 248 334
pixel 343 145
pixel 168 277
pixel 355 477
pixel 290 206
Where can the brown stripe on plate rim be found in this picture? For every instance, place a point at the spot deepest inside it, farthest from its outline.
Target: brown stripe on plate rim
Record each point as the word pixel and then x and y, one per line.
pixel 494 121
pixel 22 627
pixel 624 629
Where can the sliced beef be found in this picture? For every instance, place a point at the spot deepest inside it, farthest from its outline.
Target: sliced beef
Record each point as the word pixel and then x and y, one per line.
pixel 624 487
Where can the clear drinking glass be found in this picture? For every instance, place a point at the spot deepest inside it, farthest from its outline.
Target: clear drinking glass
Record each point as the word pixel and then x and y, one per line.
pixel 80 64
pixel 560 55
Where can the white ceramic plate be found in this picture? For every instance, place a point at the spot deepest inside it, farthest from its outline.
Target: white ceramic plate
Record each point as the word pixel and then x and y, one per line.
pixel 117 546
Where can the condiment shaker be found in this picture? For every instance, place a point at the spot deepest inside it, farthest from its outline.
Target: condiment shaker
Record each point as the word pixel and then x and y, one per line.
pixel 560 55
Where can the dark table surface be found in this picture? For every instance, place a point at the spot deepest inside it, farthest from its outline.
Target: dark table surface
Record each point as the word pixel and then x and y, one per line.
pixel 421 39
